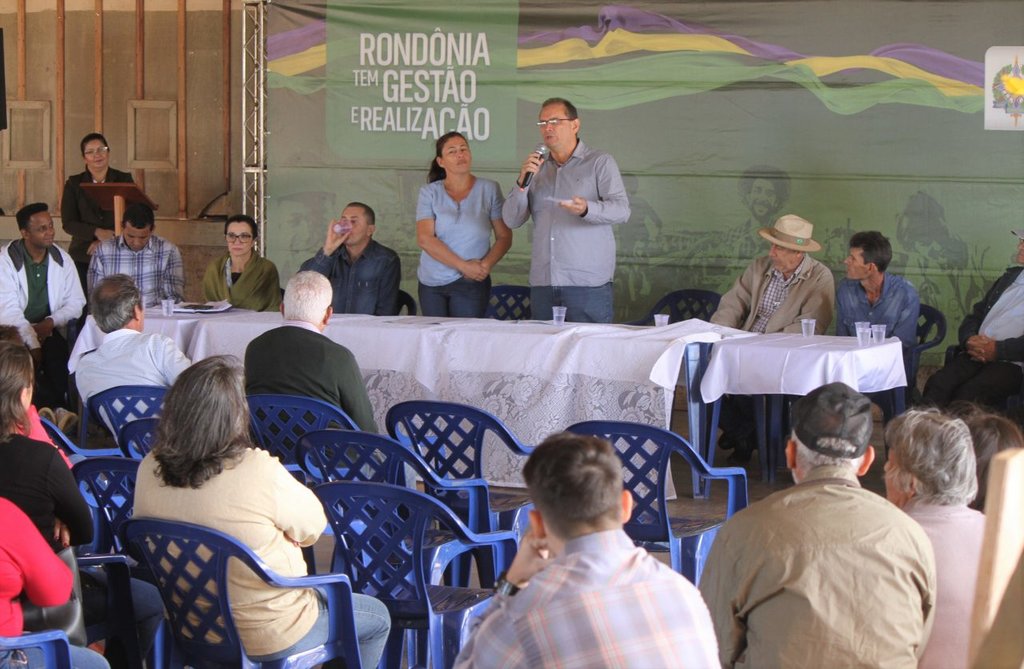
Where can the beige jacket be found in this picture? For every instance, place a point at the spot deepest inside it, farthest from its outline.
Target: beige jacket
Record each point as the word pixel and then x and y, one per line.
pixel 259 503
pixel 812 295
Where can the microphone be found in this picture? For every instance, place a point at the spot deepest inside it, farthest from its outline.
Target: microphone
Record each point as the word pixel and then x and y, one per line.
pixel 542 150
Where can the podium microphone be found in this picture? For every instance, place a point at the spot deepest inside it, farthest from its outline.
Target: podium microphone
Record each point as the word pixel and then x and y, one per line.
pixel 542 150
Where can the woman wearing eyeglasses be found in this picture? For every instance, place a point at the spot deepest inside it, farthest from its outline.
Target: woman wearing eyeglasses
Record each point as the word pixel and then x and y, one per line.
pixel 81 217
pixel 241 276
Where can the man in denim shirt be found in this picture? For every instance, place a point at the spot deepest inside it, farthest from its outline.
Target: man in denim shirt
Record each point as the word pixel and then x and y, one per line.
pixel 869 294
pixel 364 274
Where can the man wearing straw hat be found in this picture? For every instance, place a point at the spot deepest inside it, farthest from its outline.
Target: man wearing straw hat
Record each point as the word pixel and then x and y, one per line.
pixel 774 294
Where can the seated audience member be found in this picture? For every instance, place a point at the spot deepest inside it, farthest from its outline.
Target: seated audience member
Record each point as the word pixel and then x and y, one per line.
pixel 38 481
pixel 34 428
pixel 773 294
pixel 204 469
pixel 297 359
pixel 127 356
pixel 990 434
pixel 364 274
pixel 986 368
pixel 150 260
pixel 241 276
pixel 930 474
pixel 579 593
pixel 30 569
pixel 824 574
pixel 870 294
pixel 40 294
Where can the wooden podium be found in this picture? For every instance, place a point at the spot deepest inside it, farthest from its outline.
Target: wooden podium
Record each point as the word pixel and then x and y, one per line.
pixel 115 196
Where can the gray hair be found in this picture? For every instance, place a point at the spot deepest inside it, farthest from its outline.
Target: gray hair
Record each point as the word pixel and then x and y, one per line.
pixel 806 459
pixel 307 296
pixel 936 452
pixel 113 302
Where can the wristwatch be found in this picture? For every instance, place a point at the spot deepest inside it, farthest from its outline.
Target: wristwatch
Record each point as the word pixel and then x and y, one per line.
pixel 505 587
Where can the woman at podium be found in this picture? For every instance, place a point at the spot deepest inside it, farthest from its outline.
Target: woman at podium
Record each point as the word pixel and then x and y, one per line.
pixel 241 276
pixel 81 216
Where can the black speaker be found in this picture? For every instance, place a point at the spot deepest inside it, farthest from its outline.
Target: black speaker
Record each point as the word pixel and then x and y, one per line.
pixel 3 85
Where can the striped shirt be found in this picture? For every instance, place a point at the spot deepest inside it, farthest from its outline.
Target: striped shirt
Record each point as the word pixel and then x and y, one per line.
pixel 156 269
pixel 602 603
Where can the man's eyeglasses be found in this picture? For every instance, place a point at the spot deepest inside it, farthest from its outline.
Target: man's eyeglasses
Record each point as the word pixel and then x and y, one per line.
pixel 552 122
pixel 232 237
pixel 99 151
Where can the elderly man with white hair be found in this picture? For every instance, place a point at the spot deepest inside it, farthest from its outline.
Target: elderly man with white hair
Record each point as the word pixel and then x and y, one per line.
pixel 297 359
pixel 930 474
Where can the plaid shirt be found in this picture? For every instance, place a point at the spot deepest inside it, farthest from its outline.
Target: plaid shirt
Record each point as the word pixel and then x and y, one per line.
pixel 774 294
pixel 603 603
pixel 156 269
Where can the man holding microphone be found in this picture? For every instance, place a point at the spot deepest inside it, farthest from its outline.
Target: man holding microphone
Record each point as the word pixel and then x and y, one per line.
pixel 574 194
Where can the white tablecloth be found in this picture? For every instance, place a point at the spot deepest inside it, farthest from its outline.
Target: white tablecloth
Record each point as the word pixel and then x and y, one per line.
pixel 791 364
pixel 536 377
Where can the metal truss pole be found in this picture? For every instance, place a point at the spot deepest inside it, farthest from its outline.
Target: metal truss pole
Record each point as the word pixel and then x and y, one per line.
pixel 254 111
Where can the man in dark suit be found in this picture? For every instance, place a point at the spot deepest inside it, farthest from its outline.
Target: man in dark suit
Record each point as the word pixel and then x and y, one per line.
pixel 987 367
pixel 297 359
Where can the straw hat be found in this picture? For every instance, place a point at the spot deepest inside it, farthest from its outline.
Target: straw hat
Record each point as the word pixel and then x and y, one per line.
pixel 791 232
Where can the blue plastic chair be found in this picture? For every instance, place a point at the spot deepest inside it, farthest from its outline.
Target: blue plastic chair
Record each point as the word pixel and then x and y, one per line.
pixel 108 486
pixel 450 438
pixel 52 645
pixel 136 438
pixel 279 421
pixel 406 301
pixel 645 452
pixel 683 305
pixel 509 303
pixel 931 331
pixel 349 455
pixel 64 443
pixel 116 406
pixel 384 532
pixel 190 566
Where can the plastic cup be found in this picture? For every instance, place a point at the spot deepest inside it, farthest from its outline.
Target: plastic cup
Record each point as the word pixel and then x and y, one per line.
pixel 864 337
pixel 660 320
pixel 558 315
pixel 167 307
pixel 807 326
pixel 878 334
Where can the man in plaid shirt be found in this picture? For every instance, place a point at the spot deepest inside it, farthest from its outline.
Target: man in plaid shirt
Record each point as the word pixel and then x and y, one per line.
pixel 151 261
pixel 579 593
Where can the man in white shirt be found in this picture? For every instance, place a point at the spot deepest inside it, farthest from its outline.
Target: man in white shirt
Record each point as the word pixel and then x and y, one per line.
pixel 40 294
pixel 987 366
pixel 127 356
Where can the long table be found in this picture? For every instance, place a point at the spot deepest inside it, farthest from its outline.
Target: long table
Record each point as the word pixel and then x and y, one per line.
pixel 535 376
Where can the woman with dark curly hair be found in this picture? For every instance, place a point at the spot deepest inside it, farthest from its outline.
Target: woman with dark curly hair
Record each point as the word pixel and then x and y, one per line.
pixel 204 469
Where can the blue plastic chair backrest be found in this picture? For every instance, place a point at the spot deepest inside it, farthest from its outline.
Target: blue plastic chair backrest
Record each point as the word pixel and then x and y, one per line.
pixel 108 485
pixel 645 453
pixel 929 319
pixel 52 645
pixel 121 404
pixel 352 455
pixel 60 440
pixel 509 303
pixel 381 532
pixel 136 438
pixel 450 437
pixel 406 301
pixel 685 304
pixel 279 421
